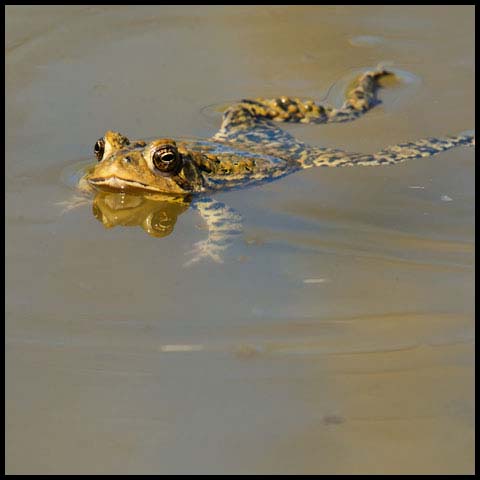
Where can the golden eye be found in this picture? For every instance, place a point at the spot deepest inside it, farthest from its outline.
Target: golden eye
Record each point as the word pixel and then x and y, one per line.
pixel 165 159
pixel 99 149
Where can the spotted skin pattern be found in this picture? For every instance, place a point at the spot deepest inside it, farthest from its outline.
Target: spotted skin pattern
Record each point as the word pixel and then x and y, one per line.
pixel 251 123
pixel 250 148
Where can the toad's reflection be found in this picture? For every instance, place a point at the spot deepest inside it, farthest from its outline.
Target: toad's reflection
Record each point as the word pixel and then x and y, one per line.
pixel 156 214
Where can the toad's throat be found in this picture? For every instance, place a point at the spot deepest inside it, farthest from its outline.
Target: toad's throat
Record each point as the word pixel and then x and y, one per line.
pixel 117 183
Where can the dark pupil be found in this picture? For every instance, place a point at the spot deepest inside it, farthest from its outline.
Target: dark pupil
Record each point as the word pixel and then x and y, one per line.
pixel 99 149
pixel 167 157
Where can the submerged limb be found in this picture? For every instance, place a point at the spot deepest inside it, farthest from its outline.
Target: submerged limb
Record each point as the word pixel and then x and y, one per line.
pixel 224 225
pixel 388 156
pixel 74 202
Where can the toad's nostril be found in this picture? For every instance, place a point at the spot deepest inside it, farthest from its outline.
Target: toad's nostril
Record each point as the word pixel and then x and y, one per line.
pixel 127 159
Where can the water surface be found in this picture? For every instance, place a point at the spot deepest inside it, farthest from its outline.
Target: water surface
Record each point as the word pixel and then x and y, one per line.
pixel 338 334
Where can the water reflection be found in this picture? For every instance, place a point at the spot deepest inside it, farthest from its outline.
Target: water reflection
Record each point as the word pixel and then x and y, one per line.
pixel 156 214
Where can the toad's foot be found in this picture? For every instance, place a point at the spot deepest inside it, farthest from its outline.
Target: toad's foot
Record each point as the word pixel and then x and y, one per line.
pixel 224 225
pixel 73 203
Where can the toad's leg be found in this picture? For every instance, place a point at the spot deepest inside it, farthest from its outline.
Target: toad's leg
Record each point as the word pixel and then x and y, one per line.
pixel 360 97
pixel 224 225
pixel 312 156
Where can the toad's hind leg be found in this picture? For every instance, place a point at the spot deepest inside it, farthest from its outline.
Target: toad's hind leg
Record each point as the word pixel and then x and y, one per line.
pixel 388 156
pixel 360 97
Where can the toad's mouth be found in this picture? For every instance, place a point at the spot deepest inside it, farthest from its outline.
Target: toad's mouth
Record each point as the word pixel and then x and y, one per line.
pixel 120 184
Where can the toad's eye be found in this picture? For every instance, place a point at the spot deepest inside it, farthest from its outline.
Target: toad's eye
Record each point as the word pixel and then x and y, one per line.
pixel 166 159
pixel 99 149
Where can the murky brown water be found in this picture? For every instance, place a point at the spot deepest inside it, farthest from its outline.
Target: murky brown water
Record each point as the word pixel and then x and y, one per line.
pixel 337 337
